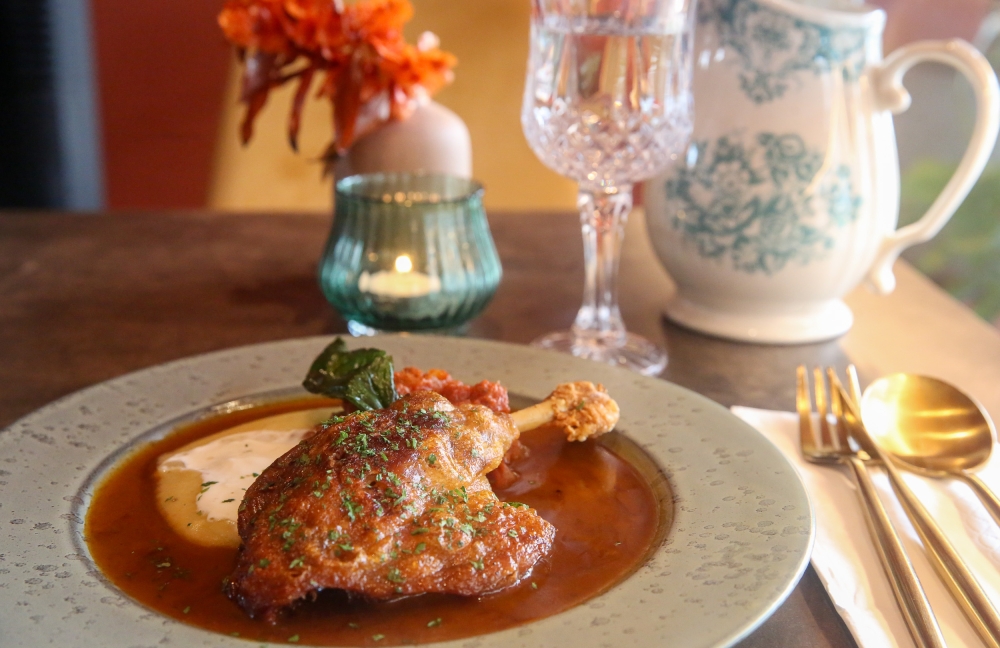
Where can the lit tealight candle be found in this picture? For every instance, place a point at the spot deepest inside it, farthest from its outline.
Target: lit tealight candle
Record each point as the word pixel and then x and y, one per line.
pixel 400 282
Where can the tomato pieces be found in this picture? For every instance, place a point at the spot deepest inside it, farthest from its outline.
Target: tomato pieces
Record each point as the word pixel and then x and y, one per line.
pixel 490 394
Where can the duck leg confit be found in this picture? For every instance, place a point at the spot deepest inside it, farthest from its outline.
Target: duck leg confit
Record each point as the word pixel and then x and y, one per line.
pixel 395 502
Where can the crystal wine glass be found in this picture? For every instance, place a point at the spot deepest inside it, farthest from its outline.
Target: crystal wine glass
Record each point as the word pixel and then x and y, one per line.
pixel 607 103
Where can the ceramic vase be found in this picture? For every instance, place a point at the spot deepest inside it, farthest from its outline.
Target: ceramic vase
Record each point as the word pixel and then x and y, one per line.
pixel 431 140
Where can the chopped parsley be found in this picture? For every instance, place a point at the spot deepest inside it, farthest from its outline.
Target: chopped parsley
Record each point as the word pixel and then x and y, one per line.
pixel 350 507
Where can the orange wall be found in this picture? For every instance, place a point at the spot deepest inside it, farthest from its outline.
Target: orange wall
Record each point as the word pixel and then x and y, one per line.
pixel 161 68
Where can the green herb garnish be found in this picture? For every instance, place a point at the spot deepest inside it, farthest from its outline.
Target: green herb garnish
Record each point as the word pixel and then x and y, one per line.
pixel 362 377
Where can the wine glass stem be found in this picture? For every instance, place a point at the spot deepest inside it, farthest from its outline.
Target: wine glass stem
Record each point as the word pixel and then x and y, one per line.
pixel 603 215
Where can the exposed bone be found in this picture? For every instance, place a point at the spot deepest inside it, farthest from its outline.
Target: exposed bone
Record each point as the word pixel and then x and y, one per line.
pixel 581 409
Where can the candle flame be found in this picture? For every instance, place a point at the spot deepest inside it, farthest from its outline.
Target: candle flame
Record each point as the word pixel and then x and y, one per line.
pixel 403 263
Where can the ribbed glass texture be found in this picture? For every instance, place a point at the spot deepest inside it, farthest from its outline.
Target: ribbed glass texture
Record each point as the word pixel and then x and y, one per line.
pixel 409 252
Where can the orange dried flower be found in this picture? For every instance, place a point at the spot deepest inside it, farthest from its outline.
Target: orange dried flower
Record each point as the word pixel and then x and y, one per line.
pixel 357 52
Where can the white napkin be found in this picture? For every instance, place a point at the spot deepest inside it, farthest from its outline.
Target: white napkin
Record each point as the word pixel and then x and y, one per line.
pixel 844 556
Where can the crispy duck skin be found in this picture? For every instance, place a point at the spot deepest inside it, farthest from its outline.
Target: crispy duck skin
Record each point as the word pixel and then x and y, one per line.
pixel 491 394
pixel 385 504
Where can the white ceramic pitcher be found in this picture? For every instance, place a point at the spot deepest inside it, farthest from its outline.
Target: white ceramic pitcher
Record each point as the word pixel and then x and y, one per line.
pixel 788 195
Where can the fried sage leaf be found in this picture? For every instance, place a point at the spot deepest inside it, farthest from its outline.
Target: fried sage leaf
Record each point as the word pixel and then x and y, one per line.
pixel 362 377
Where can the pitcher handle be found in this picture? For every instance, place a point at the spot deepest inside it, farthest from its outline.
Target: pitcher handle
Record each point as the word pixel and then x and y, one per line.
pixel 887 82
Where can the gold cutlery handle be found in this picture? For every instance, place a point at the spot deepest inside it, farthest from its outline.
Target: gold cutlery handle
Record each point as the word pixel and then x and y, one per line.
pixel 987 496
pixel 906 587
pixel 949 565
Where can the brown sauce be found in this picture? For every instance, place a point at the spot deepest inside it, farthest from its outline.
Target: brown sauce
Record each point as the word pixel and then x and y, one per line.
pixel 606 515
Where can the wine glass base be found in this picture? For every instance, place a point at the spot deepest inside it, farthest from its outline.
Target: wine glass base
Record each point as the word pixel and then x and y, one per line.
pixel 636 353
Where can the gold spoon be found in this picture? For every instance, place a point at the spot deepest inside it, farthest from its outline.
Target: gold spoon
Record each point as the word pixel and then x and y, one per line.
pixel 933 428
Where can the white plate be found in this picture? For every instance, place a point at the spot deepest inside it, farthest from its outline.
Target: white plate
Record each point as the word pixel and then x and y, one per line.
pixel 739 542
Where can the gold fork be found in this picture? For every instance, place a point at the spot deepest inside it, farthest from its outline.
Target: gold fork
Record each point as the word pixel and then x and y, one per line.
pixel 920 620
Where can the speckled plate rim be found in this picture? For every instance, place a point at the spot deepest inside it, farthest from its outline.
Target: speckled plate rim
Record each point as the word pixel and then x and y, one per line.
pixel 741 536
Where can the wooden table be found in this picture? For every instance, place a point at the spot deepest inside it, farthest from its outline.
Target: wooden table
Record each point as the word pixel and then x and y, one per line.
pixel 87 298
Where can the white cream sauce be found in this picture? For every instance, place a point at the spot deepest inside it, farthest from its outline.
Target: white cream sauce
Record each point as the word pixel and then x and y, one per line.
pixel 229 465
pixel 230 461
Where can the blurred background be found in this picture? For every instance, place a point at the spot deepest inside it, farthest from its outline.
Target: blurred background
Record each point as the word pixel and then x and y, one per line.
pixel 132 105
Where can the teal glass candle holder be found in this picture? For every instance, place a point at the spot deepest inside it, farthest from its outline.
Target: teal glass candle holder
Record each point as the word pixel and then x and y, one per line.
pixel 409 252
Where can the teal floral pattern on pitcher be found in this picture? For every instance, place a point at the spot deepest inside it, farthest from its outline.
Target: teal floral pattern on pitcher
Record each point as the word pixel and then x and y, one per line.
pixel 773 47
pixel 759 205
